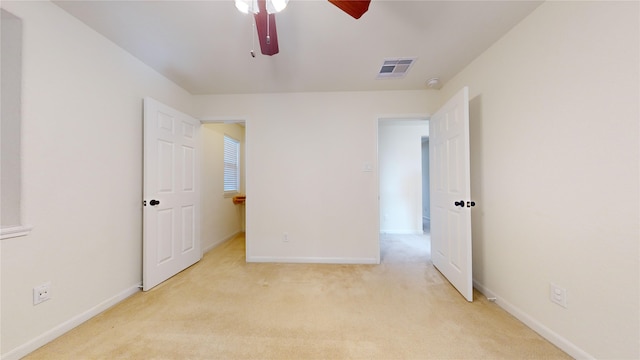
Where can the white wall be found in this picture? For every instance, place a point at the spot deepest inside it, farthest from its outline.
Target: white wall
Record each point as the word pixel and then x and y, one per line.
pixel 82 175
pixel 555 173
pixel 426 195
pixel 304 162
pixel 221 219
pixel 400 162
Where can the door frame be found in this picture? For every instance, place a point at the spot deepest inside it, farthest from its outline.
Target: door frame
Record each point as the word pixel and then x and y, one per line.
pixel 378 120
pixel 235 120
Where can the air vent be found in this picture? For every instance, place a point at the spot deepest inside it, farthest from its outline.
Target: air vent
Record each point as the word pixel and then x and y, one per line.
pixel 395 68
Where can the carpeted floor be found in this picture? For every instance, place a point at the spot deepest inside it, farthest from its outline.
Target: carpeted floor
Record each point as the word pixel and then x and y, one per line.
pixel 224 308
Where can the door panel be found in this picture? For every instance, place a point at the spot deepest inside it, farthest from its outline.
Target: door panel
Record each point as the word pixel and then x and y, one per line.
pixel 165 167
pixel 171 229
pixel 188 174
pixel 449 167
pixel 188 222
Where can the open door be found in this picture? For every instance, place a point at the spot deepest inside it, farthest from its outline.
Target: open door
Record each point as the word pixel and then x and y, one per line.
pixel 451 192
pixel 171 219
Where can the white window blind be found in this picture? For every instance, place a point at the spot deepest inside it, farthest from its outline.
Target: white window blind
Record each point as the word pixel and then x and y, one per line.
pixel 231 165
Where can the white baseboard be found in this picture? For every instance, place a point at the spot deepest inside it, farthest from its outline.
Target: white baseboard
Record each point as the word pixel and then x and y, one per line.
pixel 220 242
pixel 553 337
pixel 68 325
pixel 311 260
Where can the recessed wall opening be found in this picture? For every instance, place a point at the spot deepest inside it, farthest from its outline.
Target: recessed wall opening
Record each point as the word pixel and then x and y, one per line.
pixel 11 213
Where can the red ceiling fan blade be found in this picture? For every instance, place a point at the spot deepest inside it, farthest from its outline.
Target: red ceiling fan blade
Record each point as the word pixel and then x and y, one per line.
pixel 266 27
pixel 355 8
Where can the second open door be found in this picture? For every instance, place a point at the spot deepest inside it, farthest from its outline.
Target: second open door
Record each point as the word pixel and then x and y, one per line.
pixel 450 189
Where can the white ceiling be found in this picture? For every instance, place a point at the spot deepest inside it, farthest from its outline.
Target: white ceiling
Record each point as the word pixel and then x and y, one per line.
pixel 204 46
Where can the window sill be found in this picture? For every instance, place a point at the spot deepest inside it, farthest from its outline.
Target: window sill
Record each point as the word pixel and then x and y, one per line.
pixel 14 231
pixel 230 194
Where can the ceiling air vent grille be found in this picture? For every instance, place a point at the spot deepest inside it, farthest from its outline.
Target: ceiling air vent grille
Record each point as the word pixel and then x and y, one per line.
pixel 395 68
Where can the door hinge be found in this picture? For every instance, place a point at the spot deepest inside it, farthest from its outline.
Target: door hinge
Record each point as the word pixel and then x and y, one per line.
pixel 144 202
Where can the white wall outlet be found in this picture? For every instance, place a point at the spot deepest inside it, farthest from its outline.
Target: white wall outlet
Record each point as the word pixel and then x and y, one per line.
pixel 285 237
pixel 41 293
pixel 558 295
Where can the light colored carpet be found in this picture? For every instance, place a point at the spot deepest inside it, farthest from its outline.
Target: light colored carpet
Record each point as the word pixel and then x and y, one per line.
pixel 224 308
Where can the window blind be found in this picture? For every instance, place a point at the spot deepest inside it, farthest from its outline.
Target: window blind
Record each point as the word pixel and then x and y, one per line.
pixel 231 165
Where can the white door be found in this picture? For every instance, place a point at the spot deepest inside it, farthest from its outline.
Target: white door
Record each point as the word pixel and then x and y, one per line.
pixel 451 192
pixel 171 220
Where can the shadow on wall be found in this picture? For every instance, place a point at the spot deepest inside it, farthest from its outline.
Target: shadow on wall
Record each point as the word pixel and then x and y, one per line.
pixel 476 150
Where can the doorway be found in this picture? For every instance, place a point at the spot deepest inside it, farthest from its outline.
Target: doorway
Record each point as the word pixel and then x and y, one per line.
pixel 403 188
pixel 449 178
pixel 222 219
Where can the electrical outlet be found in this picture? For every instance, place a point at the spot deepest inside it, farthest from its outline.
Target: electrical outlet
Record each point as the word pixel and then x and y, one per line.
pixel 558 295
pixel 285 237
pixel 41 293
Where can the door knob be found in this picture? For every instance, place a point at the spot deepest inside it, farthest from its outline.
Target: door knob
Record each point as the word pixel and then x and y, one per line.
pixel 457 203
pixel 154 202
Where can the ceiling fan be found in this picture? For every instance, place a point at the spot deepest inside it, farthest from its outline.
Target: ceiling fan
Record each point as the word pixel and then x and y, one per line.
pixel 264 14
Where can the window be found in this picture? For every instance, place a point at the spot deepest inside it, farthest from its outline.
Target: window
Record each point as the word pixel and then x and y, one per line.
pixel 231 165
